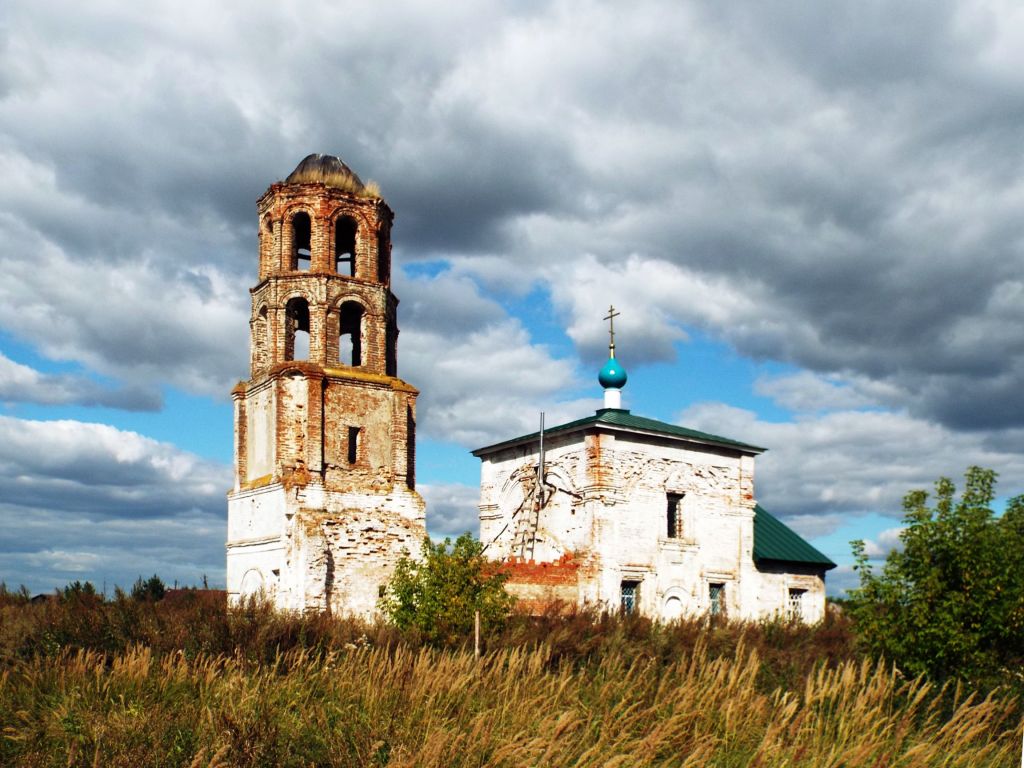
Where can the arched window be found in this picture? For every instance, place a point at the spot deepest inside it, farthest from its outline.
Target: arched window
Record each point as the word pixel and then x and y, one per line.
pixel 350 331
pixel 302 235
pixel 345 246
pixel 383 257
pixel 296 340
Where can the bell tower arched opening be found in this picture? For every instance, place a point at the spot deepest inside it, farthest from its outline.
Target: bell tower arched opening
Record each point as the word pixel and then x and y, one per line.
pixel 302 242
pixel 350 333
pixel 296 340
pixel 345 246
pixel 383 256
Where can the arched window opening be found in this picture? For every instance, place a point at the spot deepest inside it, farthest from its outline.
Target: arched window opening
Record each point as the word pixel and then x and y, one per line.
pixel 345 246
pixel 383 257
pixel 296 342
pixel 302 234
pixel 350 331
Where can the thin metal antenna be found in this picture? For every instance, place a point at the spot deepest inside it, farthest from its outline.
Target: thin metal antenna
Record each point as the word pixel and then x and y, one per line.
pixel 540 463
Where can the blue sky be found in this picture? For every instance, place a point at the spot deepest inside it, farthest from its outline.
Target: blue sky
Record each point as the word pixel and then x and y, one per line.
pixel 810 218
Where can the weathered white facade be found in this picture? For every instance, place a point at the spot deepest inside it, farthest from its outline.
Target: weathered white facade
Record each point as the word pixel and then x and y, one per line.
pixel 644 515
pixel 324 501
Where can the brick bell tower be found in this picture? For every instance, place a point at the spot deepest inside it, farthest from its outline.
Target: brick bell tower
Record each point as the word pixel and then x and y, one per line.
pixel 324 500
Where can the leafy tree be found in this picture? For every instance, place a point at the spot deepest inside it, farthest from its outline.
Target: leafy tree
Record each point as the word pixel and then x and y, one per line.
pixel 150 590
pixel 951 603
pixel 439 593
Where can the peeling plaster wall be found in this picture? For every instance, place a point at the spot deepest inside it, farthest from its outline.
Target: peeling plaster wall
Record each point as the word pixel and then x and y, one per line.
pixel 607 509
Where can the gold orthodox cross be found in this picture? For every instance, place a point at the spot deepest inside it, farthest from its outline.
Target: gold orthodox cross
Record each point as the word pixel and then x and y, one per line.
pixel 610 317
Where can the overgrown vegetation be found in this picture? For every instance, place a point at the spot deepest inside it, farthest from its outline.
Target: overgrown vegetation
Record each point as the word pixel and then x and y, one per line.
pixel 440 593
pixel 184 681
pixel 950 604
pixel 175 678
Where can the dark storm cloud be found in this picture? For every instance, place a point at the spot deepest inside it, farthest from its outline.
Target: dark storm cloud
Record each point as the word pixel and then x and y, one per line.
pixel 837 187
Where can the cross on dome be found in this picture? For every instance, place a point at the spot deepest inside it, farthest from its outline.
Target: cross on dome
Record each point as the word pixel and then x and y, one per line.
pixel 612 376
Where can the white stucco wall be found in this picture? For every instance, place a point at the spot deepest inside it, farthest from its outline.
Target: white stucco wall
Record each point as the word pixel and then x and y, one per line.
pixel 608 504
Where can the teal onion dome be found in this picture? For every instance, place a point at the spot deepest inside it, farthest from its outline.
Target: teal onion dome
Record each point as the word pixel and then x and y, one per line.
pixel 613 375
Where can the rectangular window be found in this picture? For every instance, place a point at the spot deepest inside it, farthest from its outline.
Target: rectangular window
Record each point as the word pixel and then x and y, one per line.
pixel 716 594
pixel 630 593
pixel 795 607
pixel 353 444
pixel 674 516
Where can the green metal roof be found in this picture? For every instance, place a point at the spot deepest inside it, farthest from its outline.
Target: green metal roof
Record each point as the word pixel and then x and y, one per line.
pixel 620 417
pixel 774 540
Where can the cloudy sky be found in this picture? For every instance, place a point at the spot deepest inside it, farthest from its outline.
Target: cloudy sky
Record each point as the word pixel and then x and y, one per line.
pixel 811 216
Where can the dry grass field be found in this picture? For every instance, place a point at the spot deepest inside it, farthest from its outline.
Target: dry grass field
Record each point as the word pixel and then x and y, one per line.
pixel 122 683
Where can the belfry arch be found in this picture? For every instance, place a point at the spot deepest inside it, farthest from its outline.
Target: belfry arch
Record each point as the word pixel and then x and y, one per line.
pixel 350 333
pixel 345 235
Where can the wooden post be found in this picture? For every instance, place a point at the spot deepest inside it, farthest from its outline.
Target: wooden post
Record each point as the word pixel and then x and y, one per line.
pixel 476 634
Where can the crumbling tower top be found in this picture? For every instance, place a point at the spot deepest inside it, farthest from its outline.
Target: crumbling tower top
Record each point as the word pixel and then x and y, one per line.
pixel 328 170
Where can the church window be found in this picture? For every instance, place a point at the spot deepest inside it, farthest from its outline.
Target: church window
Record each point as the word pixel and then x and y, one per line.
pixel 353 445
pixel 350 327
pixel 302 236
pixel 795 604
pixel 716 597
pixel 630 596
pixel 296 342
pixel 674 516
pixel 345 246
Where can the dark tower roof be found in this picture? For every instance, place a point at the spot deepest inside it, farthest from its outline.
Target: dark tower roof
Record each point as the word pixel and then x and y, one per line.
pixel 328 170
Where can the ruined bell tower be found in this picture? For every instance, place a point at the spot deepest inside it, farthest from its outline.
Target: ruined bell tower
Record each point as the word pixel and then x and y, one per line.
pixel 324 500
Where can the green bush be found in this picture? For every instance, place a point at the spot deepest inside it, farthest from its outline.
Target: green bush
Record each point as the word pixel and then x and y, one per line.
pixel 439 594
pixel 950 604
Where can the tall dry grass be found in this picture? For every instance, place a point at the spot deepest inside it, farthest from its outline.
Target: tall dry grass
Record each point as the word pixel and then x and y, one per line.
pixel 377 706
pixel 187 682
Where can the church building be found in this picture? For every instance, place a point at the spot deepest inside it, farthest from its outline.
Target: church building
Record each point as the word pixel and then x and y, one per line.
pixel 613 510
pixel 324 500
pixel 616 510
